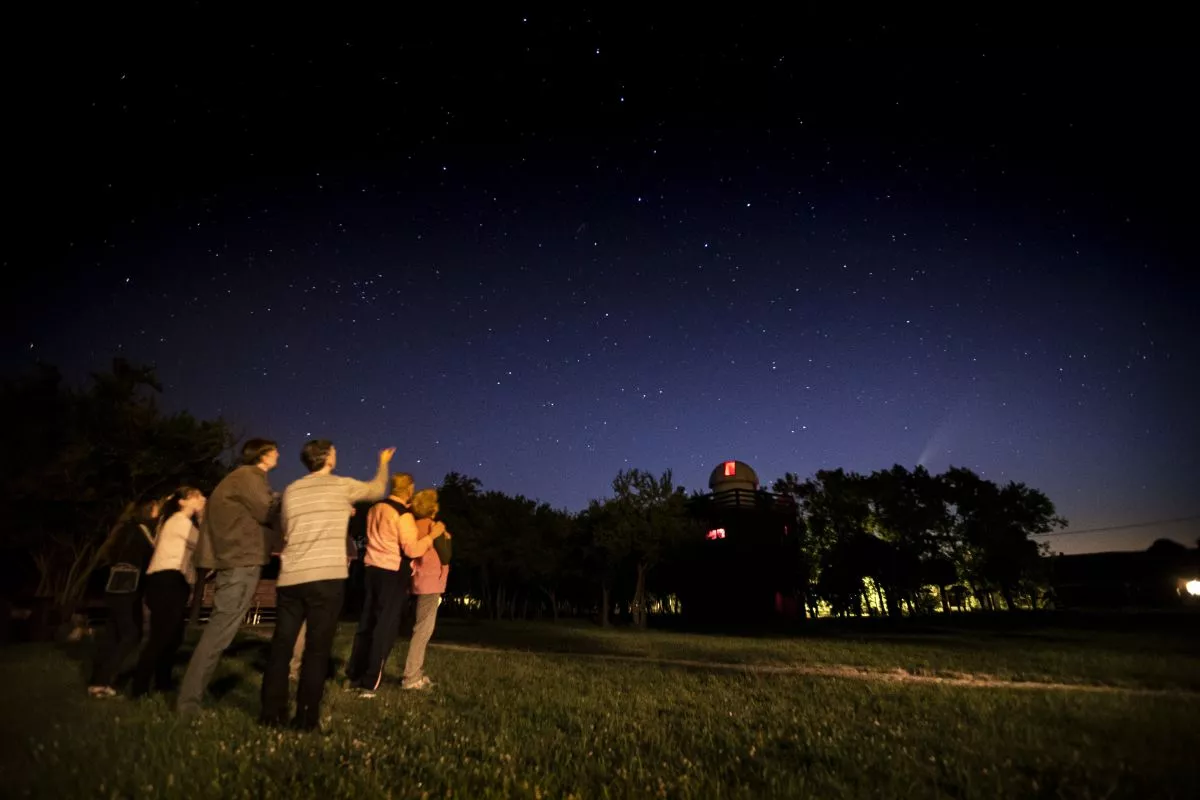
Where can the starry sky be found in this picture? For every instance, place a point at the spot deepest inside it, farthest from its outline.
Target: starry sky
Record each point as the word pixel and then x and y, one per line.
pixel 540 249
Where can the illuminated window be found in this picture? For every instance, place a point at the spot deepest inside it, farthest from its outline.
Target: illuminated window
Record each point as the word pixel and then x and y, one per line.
pixel 716 533
pixel 730 468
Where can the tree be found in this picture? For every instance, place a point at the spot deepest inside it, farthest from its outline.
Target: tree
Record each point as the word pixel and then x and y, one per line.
pixel 909 512
pixel 457 500
pixel 644 522
pixel 88 457
pixel 992 526
pixel 550 554
pixel 605 549
pixel 835 508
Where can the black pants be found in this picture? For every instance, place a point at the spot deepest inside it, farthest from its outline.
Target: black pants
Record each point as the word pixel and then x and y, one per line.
pixel 383 608
pixel 122 636
pixel 318 603
pixel 167 598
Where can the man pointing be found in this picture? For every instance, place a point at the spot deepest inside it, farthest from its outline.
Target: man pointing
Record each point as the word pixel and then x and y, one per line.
pixel 312 576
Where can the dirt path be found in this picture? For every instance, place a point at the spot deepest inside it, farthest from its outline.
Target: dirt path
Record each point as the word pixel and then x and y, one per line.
pixel 975 681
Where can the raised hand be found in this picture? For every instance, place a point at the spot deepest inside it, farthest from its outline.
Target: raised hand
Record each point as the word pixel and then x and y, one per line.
pixel 385 456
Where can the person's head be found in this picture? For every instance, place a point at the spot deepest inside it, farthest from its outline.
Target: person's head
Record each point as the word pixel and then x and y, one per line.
pixel 261 453
pixel 187 499
pixel 402 486
pixel 425 504
pixel 319 454
pixel 148 509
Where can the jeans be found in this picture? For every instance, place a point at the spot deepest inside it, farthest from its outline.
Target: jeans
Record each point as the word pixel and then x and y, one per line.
pixel 383 608
pixel 231 601
pixel 122 636
pixel 316 604
pixel 427 608
pixel 167 598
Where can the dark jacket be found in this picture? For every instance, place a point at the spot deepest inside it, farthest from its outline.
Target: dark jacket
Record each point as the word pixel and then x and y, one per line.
pixel 132 546
pixel 236 530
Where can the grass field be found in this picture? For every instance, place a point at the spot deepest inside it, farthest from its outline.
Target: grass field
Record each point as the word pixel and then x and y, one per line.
pixel 571 710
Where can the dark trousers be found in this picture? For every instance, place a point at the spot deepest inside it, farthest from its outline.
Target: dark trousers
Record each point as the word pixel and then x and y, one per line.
pixel 167 598
pixel 318 603
pixel 383 608
pixel 122 636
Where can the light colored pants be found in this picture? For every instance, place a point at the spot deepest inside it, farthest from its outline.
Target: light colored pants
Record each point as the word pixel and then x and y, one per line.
pixel 427 606
pixel 298 652
pixel 231 600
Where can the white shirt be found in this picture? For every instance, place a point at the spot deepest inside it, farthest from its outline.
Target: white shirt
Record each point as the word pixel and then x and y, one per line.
pixel 175 545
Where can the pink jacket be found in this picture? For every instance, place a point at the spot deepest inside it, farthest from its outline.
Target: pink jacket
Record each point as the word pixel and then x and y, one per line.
pixel 429 573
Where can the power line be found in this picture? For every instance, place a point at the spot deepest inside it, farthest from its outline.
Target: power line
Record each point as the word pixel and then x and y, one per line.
pixel 1122 527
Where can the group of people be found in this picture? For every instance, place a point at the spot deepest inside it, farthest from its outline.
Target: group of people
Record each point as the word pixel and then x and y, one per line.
pixel 234 533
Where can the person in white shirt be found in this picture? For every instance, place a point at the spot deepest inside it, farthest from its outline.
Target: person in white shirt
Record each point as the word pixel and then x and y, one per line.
pixel 169 581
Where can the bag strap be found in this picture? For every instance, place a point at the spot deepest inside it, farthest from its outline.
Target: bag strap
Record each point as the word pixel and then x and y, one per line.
pixel 146 532
pixel 401 509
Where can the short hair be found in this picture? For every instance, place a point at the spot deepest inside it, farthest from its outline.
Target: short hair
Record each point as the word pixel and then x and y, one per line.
pixel 402 484
pixel 425 504
pixel 254 450
pixel 315 454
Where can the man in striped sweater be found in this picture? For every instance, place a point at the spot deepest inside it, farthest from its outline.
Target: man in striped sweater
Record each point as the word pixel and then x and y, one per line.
pixel 314 565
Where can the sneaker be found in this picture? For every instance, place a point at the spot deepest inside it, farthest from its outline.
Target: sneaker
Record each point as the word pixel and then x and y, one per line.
pixel 420 683
pixel 101 691
pixel 366 694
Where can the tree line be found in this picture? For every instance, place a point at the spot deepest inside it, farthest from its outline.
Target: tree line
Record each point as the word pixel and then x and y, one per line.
pixel 895 541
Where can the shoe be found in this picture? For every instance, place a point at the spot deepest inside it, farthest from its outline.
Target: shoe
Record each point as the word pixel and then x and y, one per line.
pixel 419 684
pixel 366 694
pixel 101 691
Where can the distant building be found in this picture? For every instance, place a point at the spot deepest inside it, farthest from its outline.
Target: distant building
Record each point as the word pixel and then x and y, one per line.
pixel 1152 578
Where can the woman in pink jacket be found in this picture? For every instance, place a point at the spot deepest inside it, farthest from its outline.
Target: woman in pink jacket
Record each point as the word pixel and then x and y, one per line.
pixel 428 583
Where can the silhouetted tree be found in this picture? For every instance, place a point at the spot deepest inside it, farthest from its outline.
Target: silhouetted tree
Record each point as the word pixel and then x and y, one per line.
pixel 992 527
pixel 605 550
pixel 1166 561
pixel 909 512
pixel 82 459
pixel 835 508
pixel 647 520
pixel 552 554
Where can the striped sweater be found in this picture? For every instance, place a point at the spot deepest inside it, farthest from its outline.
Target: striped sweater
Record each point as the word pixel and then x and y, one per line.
pixel 316 520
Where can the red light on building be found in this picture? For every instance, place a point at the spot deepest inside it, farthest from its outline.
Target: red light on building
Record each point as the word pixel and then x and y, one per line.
pixel 715 533
pixel 730 468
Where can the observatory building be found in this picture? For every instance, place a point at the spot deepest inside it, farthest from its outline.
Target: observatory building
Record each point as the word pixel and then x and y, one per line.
pixel 733 484
pixel 744 560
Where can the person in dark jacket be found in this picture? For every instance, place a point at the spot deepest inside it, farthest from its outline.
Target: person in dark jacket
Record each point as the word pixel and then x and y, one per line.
pixel 236 540
pixel 128 554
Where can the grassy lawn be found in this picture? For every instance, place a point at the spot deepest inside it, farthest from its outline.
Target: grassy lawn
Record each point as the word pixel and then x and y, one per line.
pixel 556 724
pixel 1164 656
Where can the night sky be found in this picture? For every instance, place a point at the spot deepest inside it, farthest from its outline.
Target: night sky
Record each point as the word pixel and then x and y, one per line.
pixel 538 249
